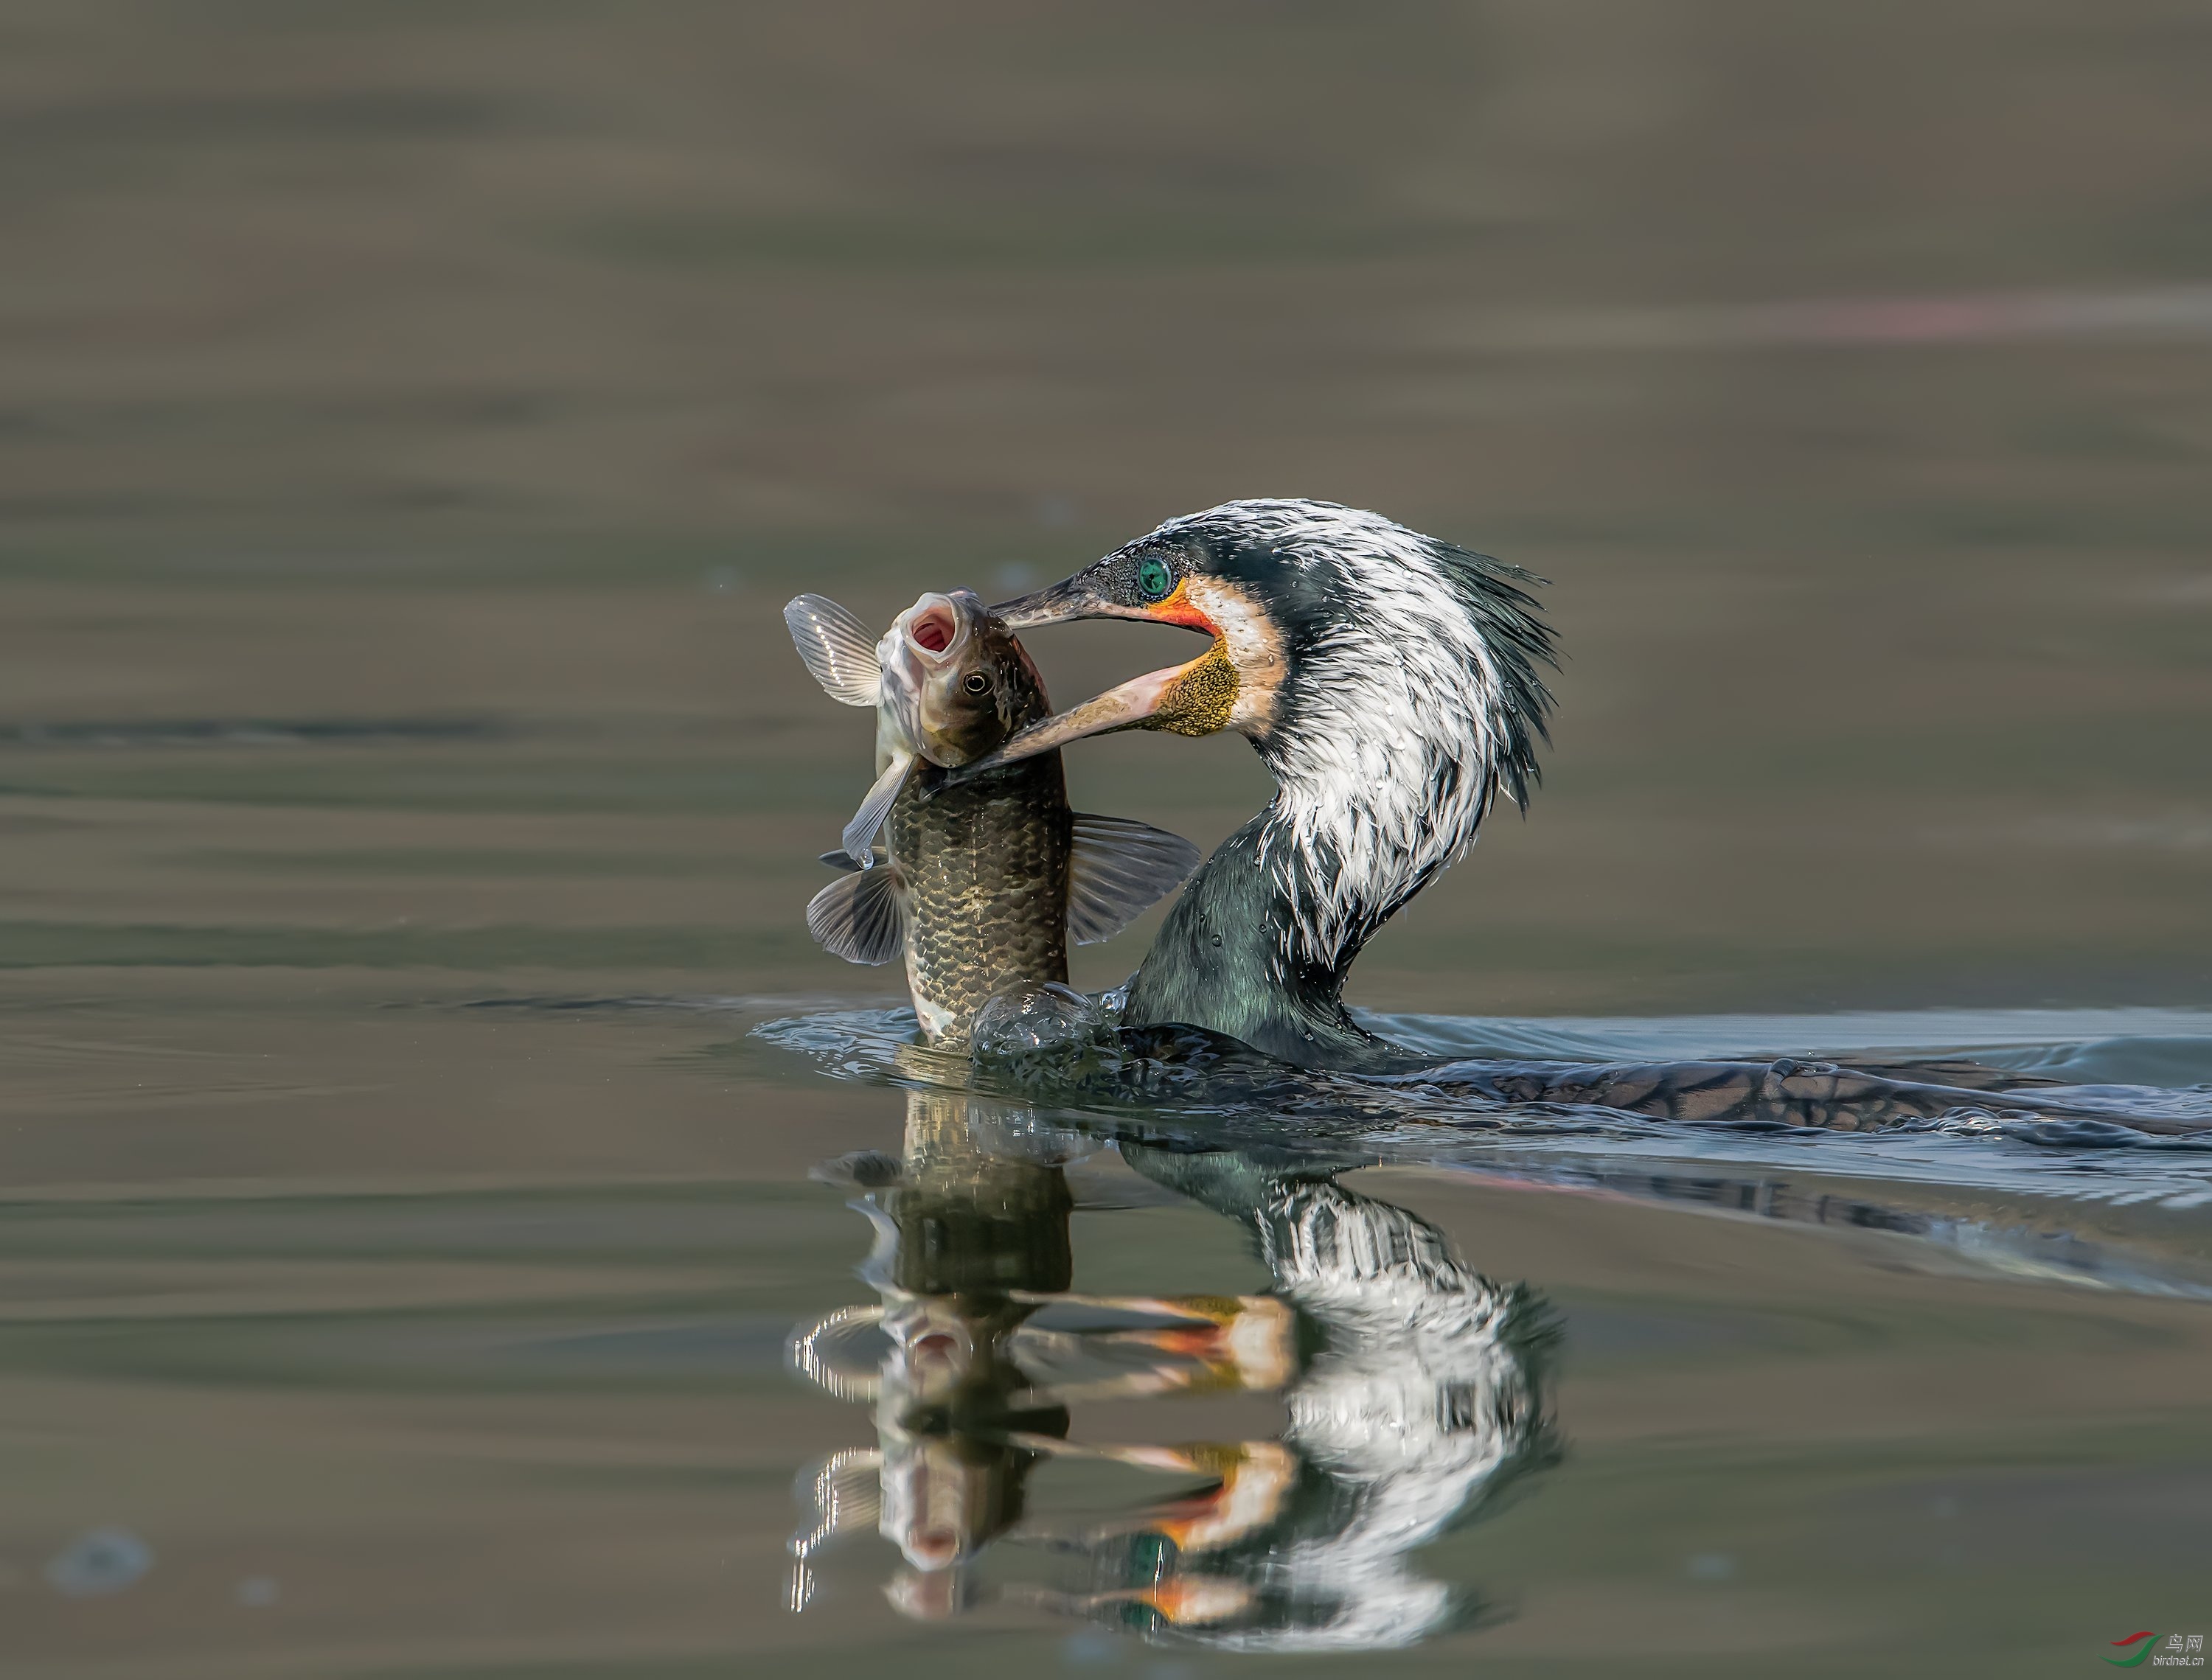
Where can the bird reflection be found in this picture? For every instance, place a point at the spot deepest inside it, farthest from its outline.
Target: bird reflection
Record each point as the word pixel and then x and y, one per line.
pixel 1414 1391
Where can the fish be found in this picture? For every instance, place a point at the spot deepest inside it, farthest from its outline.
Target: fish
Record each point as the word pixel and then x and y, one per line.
pixel 986 877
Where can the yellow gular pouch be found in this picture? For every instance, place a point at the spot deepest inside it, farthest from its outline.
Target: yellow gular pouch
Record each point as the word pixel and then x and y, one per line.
pixel 1199 701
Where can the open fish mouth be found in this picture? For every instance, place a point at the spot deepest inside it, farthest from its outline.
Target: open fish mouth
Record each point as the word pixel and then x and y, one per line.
pixel 933 628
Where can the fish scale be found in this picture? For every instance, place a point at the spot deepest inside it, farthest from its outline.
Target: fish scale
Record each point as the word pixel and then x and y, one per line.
pixel 985 863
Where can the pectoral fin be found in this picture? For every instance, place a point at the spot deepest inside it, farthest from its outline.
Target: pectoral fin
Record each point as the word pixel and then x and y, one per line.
pixel 1117 871
pixel 860 917
pixel 859 834
pixel 836 647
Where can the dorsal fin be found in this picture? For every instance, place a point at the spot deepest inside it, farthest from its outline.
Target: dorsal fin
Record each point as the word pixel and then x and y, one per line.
pixel 1117 870
pixel 836 647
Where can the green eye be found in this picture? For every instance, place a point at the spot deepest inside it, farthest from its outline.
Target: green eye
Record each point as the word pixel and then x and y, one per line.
pixel 1154 580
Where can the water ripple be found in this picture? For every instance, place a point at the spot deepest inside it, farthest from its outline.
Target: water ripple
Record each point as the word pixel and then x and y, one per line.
pixel 2067 1143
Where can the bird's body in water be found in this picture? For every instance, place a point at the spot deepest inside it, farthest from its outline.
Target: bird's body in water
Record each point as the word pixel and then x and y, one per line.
pixel 988 877
pixel 1392 684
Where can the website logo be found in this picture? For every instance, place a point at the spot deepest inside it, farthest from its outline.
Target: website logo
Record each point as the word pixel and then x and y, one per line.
pixel 2175 1651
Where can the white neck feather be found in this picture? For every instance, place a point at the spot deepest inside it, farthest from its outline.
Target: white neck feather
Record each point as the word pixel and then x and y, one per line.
pixel 1385 770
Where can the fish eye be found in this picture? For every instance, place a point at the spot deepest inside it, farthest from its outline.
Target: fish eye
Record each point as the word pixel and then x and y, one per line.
pixel 1155 578
pixel 976 682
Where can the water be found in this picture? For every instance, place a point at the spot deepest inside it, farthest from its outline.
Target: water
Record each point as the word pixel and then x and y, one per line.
pixel 414 1179
pixel 410 1335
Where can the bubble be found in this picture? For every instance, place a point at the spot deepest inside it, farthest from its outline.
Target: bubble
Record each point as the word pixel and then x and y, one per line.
pixel 107 1560
pixel 1029 1021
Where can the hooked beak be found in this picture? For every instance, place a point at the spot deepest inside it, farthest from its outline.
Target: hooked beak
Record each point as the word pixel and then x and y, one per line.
pixel 1075 598
pixel 1056 603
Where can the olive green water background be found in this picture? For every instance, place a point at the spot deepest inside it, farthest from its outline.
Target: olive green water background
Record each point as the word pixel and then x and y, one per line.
pixel 414 418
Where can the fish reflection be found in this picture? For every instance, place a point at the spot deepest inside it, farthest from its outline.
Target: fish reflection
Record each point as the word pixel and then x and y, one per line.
pixel 970 1238
pixel 1414 1392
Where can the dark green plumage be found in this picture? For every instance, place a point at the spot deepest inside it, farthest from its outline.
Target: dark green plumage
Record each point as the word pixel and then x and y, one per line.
pixel 1217 962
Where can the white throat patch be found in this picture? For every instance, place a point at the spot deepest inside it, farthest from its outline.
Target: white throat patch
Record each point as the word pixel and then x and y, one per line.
pixel 1254 648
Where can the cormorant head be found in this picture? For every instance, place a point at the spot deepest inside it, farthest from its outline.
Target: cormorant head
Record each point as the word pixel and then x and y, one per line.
pixel 1330 626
